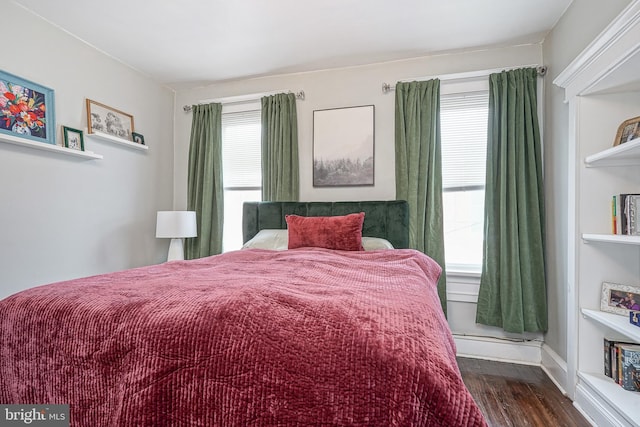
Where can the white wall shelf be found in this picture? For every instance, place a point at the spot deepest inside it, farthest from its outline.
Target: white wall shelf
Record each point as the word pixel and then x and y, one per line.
pixel 620 155
pixel 49 147
pixel 612 238
pixel 106 137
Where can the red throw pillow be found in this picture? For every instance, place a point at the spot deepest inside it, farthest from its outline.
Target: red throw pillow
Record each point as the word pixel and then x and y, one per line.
pixel 332 232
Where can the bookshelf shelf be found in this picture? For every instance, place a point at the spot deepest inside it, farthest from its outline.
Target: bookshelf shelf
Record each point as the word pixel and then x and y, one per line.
pixel 621 155
pixel 106 137
pixel 626 402
pixel 49 147
pixel 612 238
pixel 615 322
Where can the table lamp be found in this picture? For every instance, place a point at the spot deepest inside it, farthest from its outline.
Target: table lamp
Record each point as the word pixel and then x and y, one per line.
pixel 176 225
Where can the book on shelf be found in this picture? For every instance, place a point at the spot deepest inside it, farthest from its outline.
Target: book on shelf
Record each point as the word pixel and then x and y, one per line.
pixel 629 366
pixel 622 363
pixel 624 214
pixel 632 209
pixel 607 357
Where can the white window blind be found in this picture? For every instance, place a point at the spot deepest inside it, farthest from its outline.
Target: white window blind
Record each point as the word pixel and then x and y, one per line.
pixel 241 170
pixel 241 151
pixel 463 123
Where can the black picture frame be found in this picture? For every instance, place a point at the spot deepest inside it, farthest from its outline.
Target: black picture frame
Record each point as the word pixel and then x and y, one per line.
pixel 138 138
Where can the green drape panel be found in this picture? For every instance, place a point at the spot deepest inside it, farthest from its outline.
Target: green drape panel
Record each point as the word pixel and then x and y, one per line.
pixel 512 286
pixel 280 170
pixel 419 169
pixel 205 191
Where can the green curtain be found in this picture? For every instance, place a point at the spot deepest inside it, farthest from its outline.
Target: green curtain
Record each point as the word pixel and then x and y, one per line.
pixel 419 169
pixel 280 170
pixel 205 191
pixel 512 286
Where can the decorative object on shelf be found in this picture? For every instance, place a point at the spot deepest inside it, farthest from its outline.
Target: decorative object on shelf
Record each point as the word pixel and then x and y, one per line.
pixel 627 131
pixel 102 118
pixel 625 214
pixel 343 147
pixel 138 138
pixel 176 225
pixel 619 299
pixel 27 109
pixel 634 317
pixel 73 138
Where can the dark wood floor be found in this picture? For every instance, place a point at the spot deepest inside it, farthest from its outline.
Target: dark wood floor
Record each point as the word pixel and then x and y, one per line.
pixel 512 395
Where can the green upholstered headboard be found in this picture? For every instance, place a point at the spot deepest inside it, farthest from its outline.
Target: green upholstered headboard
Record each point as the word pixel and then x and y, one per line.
pixel 387 219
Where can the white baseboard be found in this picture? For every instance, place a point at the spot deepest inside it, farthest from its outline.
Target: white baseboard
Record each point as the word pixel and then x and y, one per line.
pixel 555 368
pixel 502 350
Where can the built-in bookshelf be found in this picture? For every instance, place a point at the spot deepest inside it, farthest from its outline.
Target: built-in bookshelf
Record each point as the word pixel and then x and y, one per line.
pixel 114 139
pixel 23 142
pixel 602 89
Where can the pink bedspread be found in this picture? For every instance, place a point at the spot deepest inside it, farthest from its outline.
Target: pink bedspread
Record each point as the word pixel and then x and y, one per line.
pixel 305 337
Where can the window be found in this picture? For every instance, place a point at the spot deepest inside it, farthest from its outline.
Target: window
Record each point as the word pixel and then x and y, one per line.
pixel 241 168
pixel 463 121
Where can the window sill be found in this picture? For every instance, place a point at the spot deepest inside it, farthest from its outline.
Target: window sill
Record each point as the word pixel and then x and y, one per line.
pixel 463 286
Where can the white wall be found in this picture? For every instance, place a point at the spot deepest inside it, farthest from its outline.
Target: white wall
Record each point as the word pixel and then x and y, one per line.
pixel 582 22
pixel 352 87
pixel 62 217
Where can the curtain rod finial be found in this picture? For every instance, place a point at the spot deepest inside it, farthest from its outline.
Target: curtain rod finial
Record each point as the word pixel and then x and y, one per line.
pixel 386 87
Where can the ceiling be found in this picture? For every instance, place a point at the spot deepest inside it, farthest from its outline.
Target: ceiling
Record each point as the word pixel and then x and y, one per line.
pixel 189 42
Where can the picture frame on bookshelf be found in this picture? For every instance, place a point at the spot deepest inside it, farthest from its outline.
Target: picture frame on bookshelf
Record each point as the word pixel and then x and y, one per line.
pixel 619 299
pixel 627 131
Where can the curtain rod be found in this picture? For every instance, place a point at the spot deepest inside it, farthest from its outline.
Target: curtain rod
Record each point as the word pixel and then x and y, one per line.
pixel 243 98
pixel 387 87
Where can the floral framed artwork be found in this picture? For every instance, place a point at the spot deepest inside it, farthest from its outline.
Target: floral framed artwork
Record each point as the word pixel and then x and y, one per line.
pixel 343 147
pixel 628 131
pixel 27 109
pixel 137 138
pixel 73 138
pixel 102 118
pixel 619 299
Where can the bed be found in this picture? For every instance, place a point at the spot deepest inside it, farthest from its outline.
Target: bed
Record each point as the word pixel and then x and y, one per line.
pixel 257 337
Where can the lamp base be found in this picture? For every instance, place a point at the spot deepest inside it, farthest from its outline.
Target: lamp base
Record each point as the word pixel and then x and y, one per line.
pixel 176 250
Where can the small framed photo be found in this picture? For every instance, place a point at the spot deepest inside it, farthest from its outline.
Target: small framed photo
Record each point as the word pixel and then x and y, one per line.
pixel 102 118
pixel 627 131
pixel 619 299
pixel 73 138
pixel 138 138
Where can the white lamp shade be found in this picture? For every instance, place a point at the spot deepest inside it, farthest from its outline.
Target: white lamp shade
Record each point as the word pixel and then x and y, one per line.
pixel 176 224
